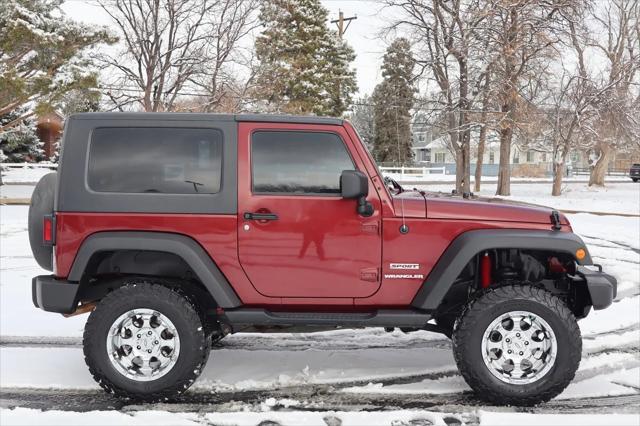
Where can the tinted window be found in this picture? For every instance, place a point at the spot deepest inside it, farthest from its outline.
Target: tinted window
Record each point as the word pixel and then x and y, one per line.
pixel 298 162
pixel 155 160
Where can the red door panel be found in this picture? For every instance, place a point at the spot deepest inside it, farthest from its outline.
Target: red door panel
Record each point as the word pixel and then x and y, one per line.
pixel 317 247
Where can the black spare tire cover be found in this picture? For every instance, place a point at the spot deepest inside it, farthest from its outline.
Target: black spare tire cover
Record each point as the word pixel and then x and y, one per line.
pixel 41 205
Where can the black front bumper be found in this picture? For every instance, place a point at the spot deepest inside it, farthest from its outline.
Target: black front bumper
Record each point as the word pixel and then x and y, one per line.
pixel 602 287
pixel 53 295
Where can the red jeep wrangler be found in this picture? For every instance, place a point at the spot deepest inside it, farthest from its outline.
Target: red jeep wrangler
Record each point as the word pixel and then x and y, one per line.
pixel 174 230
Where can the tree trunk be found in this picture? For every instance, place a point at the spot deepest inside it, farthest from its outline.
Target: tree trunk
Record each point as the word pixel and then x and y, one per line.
pixel 481 144
pixel 599 170
pixel 504 172
pixel 459 170
pixel 483 133
pixel 558 174
pixel 466 162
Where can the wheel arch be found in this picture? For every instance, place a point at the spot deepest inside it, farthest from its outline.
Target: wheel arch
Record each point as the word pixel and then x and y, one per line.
pixel 471 243
pixel 170 247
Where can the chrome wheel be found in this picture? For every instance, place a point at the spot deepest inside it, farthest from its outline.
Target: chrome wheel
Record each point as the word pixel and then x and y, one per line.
pixel 143 344
pixel 519 347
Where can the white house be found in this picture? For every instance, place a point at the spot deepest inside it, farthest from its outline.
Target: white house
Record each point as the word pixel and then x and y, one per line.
pixel 530 160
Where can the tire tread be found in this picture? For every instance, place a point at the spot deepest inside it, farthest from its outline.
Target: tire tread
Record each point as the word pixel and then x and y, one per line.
pixel 464 329
pixel 120 296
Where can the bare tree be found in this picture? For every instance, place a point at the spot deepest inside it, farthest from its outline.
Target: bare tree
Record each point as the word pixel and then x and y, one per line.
pixel 484 123
pixel 616 35
pixel 235 20
pixel 526 32
pixel 454 56
pixel 170 45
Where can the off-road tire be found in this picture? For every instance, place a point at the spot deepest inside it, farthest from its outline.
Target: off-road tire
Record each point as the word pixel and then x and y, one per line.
pixel 481 311
pixel 194 341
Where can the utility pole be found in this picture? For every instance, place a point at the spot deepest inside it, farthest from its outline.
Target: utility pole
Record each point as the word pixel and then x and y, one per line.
pixel 341 20
pixel 341 30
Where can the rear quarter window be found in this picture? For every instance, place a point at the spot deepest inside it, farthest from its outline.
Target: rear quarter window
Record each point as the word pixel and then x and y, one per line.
pixel 155 160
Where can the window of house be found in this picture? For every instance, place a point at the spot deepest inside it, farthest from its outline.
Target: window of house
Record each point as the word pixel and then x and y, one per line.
pixel 530 156
pixel 298 162
pixel 492 157
pixel 516 157
pixel 544 157
pixel 440 157
pixel 155 160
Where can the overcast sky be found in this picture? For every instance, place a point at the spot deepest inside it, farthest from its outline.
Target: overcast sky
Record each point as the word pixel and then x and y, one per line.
pixel 362 34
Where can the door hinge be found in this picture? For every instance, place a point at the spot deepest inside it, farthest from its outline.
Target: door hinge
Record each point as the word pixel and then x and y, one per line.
pixel 369 274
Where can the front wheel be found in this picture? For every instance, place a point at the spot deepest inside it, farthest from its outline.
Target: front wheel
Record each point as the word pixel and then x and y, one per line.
pixel 145 341
pixel 517 345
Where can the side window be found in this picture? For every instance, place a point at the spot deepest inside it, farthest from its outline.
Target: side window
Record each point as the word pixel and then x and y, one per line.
pixel 155 160
pixel 298 162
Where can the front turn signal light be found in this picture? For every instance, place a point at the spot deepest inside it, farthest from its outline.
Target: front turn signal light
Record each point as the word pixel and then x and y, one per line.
pixel 581 254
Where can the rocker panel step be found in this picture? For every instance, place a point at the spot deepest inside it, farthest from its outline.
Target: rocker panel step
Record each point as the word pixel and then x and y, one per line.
pixel 380 318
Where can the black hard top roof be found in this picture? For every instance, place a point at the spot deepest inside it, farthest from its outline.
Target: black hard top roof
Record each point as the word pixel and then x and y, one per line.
pixel 264 118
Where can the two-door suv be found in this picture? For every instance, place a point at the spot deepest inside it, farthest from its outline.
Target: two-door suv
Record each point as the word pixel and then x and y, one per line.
pixel 176 229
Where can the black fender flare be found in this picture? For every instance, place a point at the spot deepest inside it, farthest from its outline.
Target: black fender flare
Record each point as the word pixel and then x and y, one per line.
pixel 464 247
pixel 185 247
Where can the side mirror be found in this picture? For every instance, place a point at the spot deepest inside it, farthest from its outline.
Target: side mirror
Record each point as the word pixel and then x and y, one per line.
pixel 354 184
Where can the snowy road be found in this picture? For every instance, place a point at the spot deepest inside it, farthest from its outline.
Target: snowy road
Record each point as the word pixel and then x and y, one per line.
pixel 291 378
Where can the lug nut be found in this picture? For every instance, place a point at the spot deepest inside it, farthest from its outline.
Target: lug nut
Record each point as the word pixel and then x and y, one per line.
pixel 138 336
pixel 508 340
pixel 517 334
pixel 138 346
pixel 149 333
pixel 526 343
pixel 150 351
pixel 509 351
pixel 521 353
pixel 155 343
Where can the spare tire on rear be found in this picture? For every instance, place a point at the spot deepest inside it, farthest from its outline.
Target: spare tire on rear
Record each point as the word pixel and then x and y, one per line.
pixel 42 201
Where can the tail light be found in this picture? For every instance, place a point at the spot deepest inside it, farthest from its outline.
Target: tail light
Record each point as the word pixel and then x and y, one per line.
pixel 48 230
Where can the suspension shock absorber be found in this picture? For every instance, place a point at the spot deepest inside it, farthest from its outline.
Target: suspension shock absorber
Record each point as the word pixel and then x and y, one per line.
pixel 485 270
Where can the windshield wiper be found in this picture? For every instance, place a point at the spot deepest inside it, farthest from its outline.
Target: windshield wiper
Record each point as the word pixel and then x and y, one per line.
pixel 394 183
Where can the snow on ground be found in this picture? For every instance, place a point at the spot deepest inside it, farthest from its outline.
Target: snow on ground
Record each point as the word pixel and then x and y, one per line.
pixel 358 362
pixel 26 174
pixel 16 191
pixel 524 419
pixel 236 369
pixel 23 416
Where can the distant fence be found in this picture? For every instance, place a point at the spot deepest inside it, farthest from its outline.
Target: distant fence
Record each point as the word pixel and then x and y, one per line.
pixel 413 172
pixel 51 166
pixel 610 172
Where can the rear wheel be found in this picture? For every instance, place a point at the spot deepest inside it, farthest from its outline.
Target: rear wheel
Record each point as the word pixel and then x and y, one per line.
pixel 145 341
pixel 517 345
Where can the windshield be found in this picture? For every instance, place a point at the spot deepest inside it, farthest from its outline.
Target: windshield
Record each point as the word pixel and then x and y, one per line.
pixel 371 159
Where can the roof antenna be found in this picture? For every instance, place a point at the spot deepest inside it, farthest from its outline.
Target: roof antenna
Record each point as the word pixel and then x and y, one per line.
pixel 404 228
